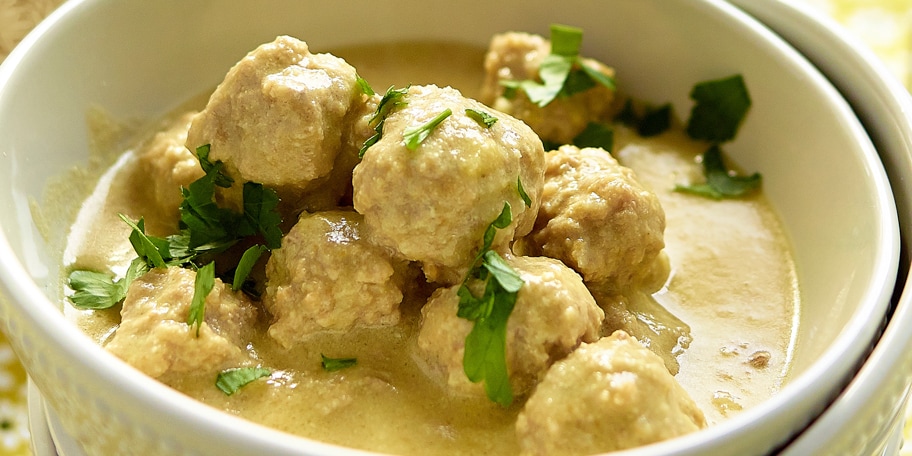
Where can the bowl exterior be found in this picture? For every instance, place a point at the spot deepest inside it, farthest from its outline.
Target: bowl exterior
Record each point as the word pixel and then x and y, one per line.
pixel 863 419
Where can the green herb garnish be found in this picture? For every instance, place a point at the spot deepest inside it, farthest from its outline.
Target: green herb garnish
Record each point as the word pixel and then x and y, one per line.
pixel 413 136
pixel 202 285
pixel 720 107
pixel 392 99
pixel 97 290
pixel 595 135
pixel 655 121
pixel 231 380
pixel 205 229
pixel 562 72
pixel 261 214
pixel 364 86
pixel 720 182
pixel 334 364
pixel 522 193
pixel 150 249
pixel 484 119
pixel 248 259
pixel 484 358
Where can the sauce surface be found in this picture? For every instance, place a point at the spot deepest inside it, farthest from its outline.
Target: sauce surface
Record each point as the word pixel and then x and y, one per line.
pixel 732 281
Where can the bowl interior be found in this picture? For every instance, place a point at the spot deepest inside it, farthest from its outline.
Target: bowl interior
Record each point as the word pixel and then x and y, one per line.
pixel 821 172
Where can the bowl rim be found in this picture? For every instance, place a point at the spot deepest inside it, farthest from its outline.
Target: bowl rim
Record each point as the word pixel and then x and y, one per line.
pixel 882 92
pixel 18 286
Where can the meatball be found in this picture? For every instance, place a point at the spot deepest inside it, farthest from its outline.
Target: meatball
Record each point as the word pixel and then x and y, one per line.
pixel 554 312
pixel 328 276
pixel 154 336
pixel 280 117
pixel 167 165
pixel 517 56
pixel 610 395
pixel 433 204
pixel 598 219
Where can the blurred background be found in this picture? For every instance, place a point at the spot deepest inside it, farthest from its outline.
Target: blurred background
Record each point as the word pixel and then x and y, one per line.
pixel 883 25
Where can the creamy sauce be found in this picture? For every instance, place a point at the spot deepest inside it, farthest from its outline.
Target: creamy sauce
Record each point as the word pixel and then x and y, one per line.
pixel 733 282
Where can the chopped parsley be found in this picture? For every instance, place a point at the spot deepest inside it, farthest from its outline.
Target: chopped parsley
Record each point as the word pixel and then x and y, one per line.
pixel 248 259
pixel 97 290
pixel 202 286
pixel 720 107
pixel 655 121
pixel 232 380
pixel 484 357
pixel 392 99
pixel 412 137
pixel 562 72
pixel 364 86
pixel 522 192
pixel 720 181
pixel 205 230
pixel 484 119
pixel 334 364
pixel 595 135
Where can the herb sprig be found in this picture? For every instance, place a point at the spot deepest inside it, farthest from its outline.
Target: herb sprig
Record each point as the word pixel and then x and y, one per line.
pixel 229 381
pixel 415 135
pixel 391 100
pixel 484 358
pixel 205 230
pixel 562 72
pixel 720 181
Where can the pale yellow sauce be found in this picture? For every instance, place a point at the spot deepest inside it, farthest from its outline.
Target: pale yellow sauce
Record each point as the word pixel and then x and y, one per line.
pixel 733 281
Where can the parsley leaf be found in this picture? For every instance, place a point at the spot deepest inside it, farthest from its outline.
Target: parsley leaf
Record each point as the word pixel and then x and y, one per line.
pixel 522 193
pixel 202 285
pixel 562 72
pixel 392 99
pixel 260 211
pixel 484 119
pixel 720 107
pixel 720 182
pixel 97 290
pixel 484 357
pixel 154 251
pixel 334 364
pixel 221 179
pixel 595 135
pixel 413 136
pixel 655 121
pixel 566 40
pixel 364 86
pixel 245 265
pixel 231 380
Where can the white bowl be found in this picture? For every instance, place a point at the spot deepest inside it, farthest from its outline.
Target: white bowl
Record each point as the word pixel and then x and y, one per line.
pixel 141 59
pixel 868 417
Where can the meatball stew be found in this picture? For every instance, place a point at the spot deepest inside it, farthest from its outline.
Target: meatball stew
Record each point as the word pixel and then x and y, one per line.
pixel 489 257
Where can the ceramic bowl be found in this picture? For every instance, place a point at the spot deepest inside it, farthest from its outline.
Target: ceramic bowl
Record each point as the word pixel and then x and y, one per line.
pixel 142 59
pixel 868 416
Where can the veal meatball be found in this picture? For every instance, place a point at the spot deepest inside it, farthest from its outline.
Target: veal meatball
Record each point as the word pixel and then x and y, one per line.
pixel 433 204
pixel 328 276
pixel 553 314
pixel 280 117
pixel 167 165
pixel 610 395
pixel 598 219
pixel 154 336
pixel 517 56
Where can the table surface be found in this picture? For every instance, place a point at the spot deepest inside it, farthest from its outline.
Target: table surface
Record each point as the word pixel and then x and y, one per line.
pixel 883 25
